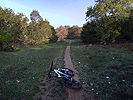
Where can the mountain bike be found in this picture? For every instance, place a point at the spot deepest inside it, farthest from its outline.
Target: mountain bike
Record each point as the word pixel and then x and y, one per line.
pixel 66 75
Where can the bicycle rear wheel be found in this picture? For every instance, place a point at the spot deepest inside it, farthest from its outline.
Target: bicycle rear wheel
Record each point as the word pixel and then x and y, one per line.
pixel 73 85
pixel 67 71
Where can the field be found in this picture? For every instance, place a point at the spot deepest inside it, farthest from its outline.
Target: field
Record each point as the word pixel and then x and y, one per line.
pixel 21 72
pixel 105 71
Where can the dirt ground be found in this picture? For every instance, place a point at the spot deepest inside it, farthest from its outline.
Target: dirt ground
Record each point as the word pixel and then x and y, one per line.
pixel 72 94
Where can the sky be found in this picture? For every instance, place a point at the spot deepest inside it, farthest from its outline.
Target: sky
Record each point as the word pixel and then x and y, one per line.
pixel 57 12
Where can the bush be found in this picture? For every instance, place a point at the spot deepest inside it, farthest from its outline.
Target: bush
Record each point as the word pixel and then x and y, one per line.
pixel 10 48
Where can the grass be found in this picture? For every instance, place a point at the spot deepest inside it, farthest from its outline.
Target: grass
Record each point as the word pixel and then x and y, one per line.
pixel 21 72
pixel 106 71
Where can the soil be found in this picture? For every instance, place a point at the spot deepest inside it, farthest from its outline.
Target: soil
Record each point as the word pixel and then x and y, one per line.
pixel 72 94
pixel 46 90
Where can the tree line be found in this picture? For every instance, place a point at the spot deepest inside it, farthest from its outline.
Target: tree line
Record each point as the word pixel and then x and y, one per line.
pixel 15 30
pixel 109 21
pixel 67 32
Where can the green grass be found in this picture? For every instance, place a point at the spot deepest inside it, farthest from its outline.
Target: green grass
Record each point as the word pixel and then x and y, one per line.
pixel 106 71
pixel 21 71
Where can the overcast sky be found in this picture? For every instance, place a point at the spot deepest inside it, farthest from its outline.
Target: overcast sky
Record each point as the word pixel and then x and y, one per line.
pixel 57 12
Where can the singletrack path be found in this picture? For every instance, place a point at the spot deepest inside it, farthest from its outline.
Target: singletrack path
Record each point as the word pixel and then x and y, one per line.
pixel 72 94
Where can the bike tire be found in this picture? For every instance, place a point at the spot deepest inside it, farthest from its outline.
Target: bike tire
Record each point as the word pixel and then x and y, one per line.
pixel 69 72
pixel 74 85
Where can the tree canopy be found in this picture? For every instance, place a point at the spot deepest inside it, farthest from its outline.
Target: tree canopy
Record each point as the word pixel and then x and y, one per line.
pixel 108 18
pixel 35 17
pixel 118 9
pixel 15 29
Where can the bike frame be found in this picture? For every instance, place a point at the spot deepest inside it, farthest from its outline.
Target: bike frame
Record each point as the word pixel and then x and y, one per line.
pixel 61 74
pixel 67 77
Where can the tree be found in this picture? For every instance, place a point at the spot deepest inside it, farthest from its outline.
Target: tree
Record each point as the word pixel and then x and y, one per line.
pixel 67 26
pixel 127 29
pixel 54 37
pixel 109 16
pixel 118 9
pixel 11 28
pixel 39 30
pixel 35 17
pixel 74 32
pixel 90 33
pixel 62 33
pixel 15 30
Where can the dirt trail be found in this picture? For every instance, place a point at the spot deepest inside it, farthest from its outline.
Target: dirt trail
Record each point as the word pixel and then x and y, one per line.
pixel 47 87
pixel 73 94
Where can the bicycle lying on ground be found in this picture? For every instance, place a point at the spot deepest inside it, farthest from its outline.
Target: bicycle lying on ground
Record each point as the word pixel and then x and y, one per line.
pixel 66 75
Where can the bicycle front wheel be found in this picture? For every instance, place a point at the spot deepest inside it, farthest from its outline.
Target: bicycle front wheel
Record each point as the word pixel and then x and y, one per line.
pixel 73 85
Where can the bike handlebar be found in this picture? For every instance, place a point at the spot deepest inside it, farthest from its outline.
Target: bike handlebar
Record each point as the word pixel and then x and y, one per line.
pixel 49 74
